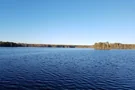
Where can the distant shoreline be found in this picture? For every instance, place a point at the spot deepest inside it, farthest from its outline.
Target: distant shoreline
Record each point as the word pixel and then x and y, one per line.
pixel 13 44
pixel 109 46
pixel 96 46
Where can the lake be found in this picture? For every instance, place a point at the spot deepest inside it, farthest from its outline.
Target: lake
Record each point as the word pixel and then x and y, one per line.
pixel 66 68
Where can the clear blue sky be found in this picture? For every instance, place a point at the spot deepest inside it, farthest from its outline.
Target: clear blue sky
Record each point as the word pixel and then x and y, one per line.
pixel 67 21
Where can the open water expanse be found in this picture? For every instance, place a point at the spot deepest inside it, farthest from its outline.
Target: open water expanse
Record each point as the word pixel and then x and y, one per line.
pixel 66 69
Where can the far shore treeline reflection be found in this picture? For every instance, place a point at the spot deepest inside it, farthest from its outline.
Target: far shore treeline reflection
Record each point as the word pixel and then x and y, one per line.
pixel 13 44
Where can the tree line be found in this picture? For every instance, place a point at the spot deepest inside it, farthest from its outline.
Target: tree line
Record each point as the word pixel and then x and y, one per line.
pixel 13 44
pixel 108 46
pixel 98 46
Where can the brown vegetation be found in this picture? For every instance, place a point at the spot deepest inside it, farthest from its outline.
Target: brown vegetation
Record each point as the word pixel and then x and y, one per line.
pixel 108 46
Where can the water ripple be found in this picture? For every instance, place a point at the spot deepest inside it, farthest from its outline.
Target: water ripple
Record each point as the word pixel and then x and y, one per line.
pixel 66 69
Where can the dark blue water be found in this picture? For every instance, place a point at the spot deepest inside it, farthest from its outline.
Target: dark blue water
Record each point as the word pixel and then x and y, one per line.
pixel 60 69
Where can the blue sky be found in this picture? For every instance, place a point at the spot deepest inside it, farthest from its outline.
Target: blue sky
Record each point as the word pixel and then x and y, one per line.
pixel 67 21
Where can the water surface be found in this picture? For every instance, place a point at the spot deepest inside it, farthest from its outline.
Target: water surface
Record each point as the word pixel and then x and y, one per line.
pixel 71 68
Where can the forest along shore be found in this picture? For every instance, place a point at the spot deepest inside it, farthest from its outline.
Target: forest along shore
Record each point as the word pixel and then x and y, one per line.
pixel 96 46
pixel 109 46
pixel 13 44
